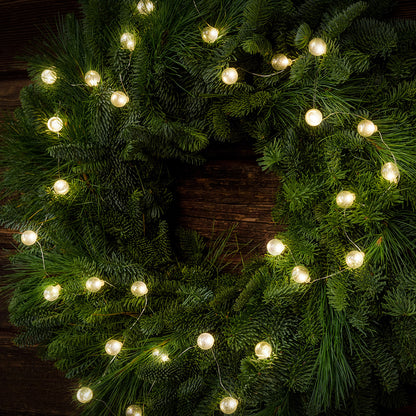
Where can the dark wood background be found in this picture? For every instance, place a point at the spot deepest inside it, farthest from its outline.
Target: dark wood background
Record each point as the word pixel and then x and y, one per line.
pixel 229 190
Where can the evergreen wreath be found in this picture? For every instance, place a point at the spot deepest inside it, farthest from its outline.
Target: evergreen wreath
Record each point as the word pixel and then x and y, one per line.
pixel 143 314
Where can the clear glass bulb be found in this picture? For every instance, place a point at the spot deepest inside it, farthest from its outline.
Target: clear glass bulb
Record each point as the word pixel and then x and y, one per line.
pixel 128 41
pixel 317 47
pixel 263 350
pixel 355 259
pixel 210 34
pixel 229 76
pixel 28 238
pixel 113 347
pixel 51 293
pixel 92 78
pixel 85 395
pixel 345 199
pixel 228 405
pixel 300 274
pixel 275 247
pixel 280 62
pixel 49 76
pixel 139 289
pixel 119 99
pixel 134 410
pixel 313 117
pixel 55 124
pixel 390 172
pixel 366 128
pixel 94 284
pixel 145 7
pixel 61 187
pixel 205 341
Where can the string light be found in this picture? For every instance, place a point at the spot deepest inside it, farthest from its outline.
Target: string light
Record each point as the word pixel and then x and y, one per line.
pixel 128 41
pixel 164 357
pixel 61 187
pixel 134 410
pixel 156 353
pixel 228 405
pixel 355 259
pixel 263 350
pixel 113 347
pixel 51 293
pixel 229 76
pixel 317 47
pixel 139 288
pixel 280 62
pixel 145 7
pixel 313 117
pixel 94 284
pixel 390 172
pixel 49 76
pixel 85 395
pixel 55 124
pixel 119 99
pixel 28 238
pixel 366 128
pixel 92 78
pixel 345 199
pixel 210 34
pixel 300 274
pixel 205 341
pixel 275 247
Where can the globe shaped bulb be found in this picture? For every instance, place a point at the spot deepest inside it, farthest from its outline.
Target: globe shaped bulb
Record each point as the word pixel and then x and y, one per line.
pixel 113 347
pixel 145 7
pixel 92 78
pixel 390 172
pixel 119 99
pixel 228 405
pixel 275 247
pixel 128 41
pixel 205 341
pixel 51 293
pixel 61 187
pixel 355 259
pixel 317 47
pixel 280 62
pixel 229 76
pixel 263 350
pixel 85 395
pixel 134 410
pixel 164 357
pixel 366 128
pixel 313 117
pixel 28 238
pixel 55 124
pixel 300 274
pixel 345 199
pixel 94 284
pixel 139 289
pixel 48 76
pixel 210 34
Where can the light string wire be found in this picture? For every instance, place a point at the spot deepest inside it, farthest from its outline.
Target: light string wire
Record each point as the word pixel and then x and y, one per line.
pixel 219 373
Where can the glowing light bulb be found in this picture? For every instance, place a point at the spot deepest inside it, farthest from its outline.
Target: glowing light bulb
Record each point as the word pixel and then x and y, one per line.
pixel 205 341
pixel 139 289
pixel 61 187
pixel 119 99
pixel 280 62
pixel 156 353
pixel 48 76
pixel 113 347
pixel 210 34
pixel 28 238
pixel 313 117
pixel 134 410
pixel 164 357
pixel 85 395
pixel 228 405
pixel 390 172
pixel 92 78
pixel 355 259
pixel 229 76
pixel 300 274
pixel 317 47
pixel 275 247
pixel 94 284
pixel 51 293
pixel 366 128
pixel 145 7
pixel 263 350
pixel 128 41
pixel 345 199
pixel 55 124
